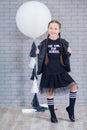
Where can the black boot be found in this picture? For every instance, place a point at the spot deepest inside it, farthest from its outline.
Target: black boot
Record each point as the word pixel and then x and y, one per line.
pixel 71 115
pixel 53 115
pixel 52 111
pixel 70 108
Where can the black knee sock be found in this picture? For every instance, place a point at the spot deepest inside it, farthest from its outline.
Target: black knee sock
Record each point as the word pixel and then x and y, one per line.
pixel 72 101
pixel 50 103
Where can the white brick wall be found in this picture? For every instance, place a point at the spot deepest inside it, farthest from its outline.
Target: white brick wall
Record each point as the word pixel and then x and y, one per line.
pixel 15 83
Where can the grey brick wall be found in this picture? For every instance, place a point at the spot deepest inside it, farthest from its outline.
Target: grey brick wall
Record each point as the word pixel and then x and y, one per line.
pixel 15 83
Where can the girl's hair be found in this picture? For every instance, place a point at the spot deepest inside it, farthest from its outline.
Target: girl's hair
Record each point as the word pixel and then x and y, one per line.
pixel 55 21
pixel 46 57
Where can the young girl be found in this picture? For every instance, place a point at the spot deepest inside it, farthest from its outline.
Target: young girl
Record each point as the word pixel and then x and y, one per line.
pixel 51 53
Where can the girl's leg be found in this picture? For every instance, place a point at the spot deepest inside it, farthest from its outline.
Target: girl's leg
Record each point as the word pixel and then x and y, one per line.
pixel 50 102
pixel 72 99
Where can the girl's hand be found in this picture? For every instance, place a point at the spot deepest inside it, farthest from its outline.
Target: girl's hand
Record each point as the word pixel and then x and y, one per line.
pixel 37 51
pixel 69 50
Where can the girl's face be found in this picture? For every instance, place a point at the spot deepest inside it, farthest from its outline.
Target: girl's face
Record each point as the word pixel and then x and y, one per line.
pixel 53 30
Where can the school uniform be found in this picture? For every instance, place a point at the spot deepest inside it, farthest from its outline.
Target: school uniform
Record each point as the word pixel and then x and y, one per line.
pixel 54 75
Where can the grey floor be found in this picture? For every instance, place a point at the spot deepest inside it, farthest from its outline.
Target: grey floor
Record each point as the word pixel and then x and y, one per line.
pixel 12 118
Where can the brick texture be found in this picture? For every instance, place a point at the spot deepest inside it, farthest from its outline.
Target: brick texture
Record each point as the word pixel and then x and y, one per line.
pixel 15 83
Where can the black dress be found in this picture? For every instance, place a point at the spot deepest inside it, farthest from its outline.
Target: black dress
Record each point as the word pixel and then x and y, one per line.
pixel 54 75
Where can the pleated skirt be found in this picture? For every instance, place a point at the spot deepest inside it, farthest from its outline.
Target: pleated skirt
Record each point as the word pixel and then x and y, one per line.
pixel 60 82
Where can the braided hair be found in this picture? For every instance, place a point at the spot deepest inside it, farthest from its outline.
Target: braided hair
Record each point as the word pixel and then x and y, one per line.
pixel 61 49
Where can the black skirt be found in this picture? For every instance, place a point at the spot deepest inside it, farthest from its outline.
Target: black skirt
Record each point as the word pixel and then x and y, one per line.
pixel 60 82
pixel 54 76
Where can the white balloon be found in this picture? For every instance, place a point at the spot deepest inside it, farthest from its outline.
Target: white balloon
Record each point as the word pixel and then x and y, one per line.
pixel 32 18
